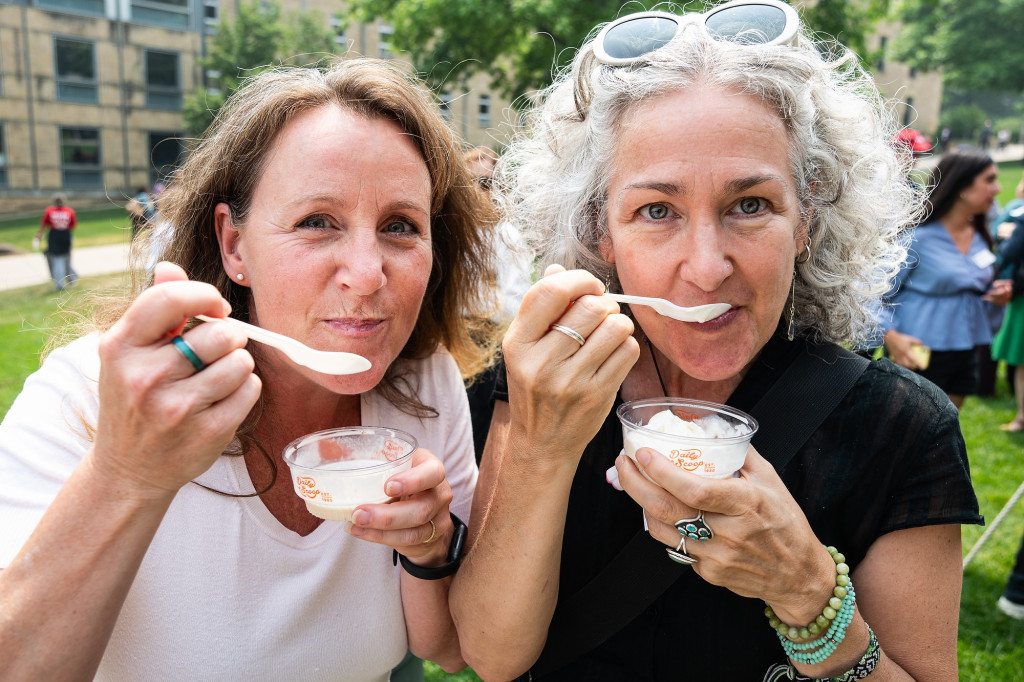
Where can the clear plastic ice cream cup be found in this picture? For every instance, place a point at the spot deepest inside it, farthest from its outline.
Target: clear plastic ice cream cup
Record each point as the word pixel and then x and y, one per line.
pixel 337 470
pixel 708 439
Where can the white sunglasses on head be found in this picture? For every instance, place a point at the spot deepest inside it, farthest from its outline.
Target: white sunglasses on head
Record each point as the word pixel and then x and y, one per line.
pixel 749 22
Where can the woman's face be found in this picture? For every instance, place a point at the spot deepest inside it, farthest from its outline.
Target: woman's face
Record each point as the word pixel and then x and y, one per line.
pixel 702 208
pixel 980 194
pixel 336 247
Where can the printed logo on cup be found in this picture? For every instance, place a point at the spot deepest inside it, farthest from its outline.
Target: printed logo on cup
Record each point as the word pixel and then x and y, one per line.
pixel 307 488
pixel 392 450
pixel 689 460
pixel 685 416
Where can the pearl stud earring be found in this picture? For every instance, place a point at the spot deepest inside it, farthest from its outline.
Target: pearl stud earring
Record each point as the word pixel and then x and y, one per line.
pixel 240 277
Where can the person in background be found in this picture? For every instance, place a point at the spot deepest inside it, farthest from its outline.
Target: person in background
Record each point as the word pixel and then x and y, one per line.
pixel 935 319
pixel 681 157
pixel 144 459
pixel 1008 344
pixel 57 222
pixel 141 208
pixel 513 278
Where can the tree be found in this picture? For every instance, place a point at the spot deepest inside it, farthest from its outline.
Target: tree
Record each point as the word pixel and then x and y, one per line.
pixel 259 38
pixel 519 43
pixel 977 44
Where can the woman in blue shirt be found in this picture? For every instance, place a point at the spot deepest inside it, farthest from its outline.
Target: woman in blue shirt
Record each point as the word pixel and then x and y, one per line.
pixel 936 301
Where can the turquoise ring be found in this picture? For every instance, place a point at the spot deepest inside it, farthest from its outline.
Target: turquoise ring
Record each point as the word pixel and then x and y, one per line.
pixel 190 354
pixel 695 528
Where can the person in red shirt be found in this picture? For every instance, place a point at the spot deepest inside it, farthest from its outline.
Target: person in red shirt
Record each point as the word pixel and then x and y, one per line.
pixel 58 221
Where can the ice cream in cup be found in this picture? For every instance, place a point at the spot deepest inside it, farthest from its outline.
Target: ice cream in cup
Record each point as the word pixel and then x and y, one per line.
pixel 708 439
pixel 337 470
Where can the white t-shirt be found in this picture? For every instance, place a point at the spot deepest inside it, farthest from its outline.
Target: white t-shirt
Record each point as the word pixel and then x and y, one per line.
pixel 225 592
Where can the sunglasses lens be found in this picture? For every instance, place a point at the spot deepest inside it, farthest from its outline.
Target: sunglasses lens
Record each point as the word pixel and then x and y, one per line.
pixel 637 37
pixel 748 24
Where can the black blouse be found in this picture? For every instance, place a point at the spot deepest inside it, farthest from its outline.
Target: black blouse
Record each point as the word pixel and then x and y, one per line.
pixel 890 456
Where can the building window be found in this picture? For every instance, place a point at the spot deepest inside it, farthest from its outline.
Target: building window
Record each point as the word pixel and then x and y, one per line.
pixel 384 34
pixel 166 152
pixel 3 158
pixel 446 105
pixel 76 70
pixel 880 64
pixel 211 12
pixel 166 13
pixel 484 111
pixel 338 26
pixel 80 157
pixel 908 112
pixel 83 6
pixel 163 80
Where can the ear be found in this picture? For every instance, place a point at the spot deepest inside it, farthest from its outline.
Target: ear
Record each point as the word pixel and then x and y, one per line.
pixel 606 249
pixel 228 237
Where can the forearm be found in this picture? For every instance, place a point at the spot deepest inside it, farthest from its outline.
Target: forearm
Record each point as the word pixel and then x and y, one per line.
pixel 63 592
pixel 504 595
pixel 428 620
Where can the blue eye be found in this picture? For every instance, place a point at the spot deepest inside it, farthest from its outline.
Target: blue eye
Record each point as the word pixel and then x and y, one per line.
pixel 749 205
pixel 316 222
pixel 400 227
pixel 655 211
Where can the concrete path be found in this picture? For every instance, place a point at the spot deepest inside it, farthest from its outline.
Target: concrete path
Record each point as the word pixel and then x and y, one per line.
pixel 24 270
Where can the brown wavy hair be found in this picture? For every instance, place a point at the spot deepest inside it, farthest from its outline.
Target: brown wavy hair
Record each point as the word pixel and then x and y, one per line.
pixel 225 166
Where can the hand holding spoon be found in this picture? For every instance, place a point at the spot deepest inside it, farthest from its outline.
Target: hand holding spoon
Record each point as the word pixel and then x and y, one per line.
pixel 700 313
pixel 327 362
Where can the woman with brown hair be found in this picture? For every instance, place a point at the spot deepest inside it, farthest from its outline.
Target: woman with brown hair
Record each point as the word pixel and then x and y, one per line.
pixel 330 206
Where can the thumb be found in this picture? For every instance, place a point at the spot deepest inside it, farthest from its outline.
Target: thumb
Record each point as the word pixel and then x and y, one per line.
pixel 168 272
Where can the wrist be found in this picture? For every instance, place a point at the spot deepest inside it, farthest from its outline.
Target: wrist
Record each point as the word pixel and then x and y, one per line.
pixel 453 557
pixel 816 589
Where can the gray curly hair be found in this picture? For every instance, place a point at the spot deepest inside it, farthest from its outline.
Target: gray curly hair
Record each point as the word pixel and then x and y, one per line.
pixel 852 184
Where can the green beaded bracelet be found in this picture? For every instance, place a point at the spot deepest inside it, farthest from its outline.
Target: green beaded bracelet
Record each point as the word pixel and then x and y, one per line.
pixel 828 614
pixel 817 650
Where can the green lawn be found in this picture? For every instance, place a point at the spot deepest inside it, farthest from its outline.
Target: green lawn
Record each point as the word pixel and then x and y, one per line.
pixel 991 645
pixel 95 228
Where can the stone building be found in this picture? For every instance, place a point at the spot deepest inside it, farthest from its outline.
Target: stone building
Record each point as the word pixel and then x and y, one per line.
pixel 91 92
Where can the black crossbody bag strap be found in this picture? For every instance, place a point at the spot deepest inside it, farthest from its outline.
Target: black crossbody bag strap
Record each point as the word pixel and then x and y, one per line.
pixel 787 414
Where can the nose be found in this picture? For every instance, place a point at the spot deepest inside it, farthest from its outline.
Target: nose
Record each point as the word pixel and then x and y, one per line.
pixel 360 263
pixel 705 262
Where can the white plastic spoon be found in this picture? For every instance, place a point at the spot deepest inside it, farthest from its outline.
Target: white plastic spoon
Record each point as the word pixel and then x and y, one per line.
pixel 699 313
pixel 328 362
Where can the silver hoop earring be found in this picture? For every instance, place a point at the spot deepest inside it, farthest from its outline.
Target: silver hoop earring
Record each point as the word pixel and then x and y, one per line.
pixel 805 255
pixel 792 308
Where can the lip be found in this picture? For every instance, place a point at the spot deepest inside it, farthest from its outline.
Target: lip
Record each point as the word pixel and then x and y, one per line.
pixel 355 327
pixel 716 323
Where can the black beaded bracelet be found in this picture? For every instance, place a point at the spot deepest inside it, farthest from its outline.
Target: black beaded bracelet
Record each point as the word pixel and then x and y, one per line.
pixel 446 569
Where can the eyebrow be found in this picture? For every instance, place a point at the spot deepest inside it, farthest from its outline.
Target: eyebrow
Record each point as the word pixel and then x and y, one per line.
pixel 736 186
pixel 328 198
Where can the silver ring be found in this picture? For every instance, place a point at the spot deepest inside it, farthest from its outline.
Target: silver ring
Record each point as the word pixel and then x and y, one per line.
pixel 681 547
pixel 696 528
pixel 570 332
pixel 433 532
pixel 681 557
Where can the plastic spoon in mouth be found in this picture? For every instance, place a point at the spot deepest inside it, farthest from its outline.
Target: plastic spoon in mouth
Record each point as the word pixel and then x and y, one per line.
pixel 699 313
pixel 327 362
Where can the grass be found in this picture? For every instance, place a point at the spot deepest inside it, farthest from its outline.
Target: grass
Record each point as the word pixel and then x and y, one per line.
pixel 95 228
pixel 990 645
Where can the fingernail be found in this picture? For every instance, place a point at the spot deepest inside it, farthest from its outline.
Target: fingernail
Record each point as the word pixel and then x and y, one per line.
pixel 361 517
pixel 643 456
pixel 393 489
pixel 612 476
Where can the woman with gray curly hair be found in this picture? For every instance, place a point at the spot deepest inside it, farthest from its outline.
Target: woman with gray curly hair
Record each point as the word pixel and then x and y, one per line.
pixel 712 158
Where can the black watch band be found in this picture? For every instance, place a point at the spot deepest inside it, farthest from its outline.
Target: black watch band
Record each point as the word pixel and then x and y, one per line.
pixel 444 570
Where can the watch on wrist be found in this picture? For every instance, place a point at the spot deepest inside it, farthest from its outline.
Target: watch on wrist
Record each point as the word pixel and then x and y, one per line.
pixel 446 569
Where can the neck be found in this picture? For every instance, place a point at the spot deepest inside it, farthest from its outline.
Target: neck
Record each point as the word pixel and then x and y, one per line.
pixel 958 219
pixel 655 375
